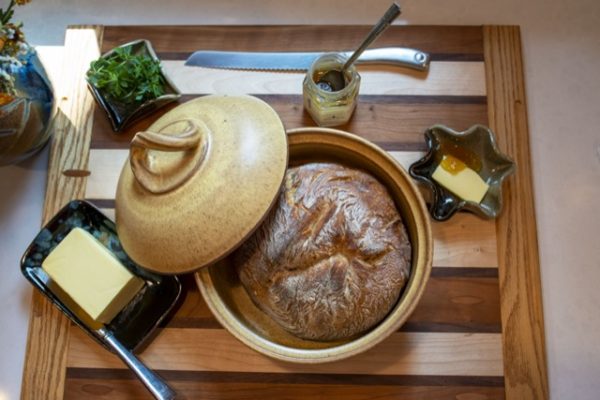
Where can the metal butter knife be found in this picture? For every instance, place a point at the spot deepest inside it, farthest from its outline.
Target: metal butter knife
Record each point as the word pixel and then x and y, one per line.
pixel 154 383
pixel 296 61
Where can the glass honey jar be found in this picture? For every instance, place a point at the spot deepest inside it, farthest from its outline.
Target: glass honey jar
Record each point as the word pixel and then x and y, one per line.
pixel 326 106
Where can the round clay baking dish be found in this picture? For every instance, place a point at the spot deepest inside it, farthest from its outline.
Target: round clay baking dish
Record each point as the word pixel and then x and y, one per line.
pixel 234 309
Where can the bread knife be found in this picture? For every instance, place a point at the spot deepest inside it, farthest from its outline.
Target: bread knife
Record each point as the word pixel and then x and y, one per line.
pixel 301 61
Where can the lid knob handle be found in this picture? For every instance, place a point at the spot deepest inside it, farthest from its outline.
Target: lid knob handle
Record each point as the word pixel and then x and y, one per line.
pixel 162 174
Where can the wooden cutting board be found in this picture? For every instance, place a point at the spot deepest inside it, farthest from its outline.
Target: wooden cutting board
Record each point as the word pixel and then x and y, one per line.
pixel 478 330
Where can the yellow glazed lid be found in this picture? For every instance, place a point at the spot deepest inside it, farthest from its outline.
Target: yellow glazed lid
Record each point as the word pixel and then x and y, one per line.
pixel 199 181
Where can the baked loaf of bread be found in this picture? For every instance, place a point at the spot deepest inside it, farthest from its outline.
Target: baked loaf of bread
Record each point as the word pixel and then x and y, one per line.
pixel 331 258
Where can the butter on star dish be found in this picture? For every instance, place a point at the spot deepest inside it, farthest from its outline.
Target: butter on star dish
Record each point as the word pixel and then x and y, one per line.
pixel 461 180
pixel 464 170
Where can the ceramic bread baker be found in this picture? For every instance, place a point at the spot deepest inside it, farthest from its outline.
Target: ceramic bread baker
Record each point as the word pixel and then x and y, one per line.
pixel 202 179
pixel 322 247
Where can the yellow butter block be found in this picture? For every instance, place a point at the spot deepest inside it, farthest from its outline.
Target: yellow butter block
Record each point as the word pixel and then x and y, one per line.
pixel 91 275
pixel 463 182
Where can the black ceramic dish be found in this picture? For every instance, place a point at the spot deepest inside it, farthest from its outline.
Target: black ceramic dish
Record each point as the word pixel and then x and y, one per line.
pixel 147 309
pixel 121 115
pixel 495 167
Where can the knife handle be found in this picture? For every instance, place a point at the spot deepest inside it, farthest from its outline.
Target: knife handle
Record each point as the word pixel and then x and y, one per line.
pixel 401 56
pixel 154 383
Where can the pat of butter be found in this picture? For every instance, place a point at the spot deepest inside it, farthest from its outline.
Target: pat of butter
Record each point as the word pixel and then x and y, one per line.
pixel 465 183
pixel 94 279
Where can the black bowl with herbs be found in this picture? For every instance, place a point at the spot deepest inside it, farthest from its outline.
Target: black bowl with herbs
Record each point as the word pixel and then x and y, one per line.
pixel 129 83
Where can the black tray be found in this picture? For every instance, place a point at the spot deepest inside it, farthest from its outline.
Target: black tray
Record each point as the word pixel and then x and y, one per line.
pixel 134 324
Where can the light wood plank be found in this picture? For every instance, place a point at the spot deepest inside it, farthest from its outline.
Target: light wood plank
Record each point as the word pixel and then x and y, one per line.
pixel 464 241
pixel 519 273
pixel 45 358
pixel 105 167
pixel 403 353
pixel 445 78
pixel 109 212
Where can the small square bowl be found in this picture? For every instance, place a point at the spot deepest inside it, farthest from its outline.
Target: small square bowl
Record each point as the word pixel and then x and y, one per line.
pixel 121 115
pixel 478 141
pixel 134 324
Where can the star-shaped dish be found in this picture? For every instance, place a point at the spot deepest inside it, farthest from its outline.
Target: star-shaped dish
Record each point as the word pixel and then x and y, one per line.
pixel 477 143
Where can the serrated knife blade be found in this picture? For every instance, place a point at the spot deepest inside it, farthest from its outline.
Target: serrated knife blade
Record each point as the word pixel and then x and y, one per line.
pixel 301 61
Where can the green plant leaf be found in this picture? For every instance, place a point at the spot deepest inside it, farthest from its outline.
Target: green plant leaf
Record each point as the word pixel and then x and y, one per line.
pixel 126 77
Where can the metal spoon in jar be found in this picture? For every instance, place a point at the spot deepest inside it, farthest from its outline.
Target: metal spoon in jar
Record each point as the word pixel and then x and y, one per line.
pixel 334 80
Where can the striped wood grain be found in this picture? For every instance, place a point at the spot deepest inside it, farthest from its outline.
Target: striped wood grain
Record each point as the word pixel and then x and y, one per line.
pixel 520 285
pixel 441 352
pixel 403 353
pixel 48 339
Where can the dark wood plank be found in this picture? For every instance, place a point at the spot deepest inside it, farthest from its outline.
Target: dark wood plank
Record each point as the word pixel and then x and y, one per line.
pixel 464 272
pixel 132 390
pixel 449 304
pixel 296 378
pixel 519 268
pixel 121 384
pixel 184 55
pixel 393 122
pixel 445 42
pixel 456 304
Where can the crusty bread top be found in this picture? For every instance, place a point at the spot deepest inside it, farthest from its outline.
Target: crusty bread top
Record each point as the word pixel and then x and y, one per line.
pixel 332 257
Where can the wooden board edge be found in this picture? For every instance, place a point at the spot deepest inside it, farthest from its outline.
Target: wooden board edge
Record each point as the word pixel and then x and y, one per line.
pixel 519 270
pixel 45 363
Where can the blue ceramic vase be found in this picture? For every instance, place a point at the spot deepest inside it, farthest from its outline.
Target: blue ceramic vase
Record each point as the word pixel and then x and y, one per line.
pixel 24 121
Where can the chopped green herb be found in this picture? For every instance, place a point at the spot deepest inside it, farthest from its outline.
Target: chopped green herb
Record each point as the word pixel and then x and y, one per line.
pixel 126 77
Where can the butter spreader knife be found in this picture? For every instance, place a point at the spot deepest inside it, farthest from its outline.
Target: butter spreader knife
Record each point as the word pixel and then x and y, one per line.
pixel 301 61
pixel 134 324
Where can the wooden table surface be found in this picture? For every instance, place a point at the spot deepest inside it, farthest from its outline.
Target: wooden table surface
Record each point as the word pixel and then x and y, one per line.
pixel 478 330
